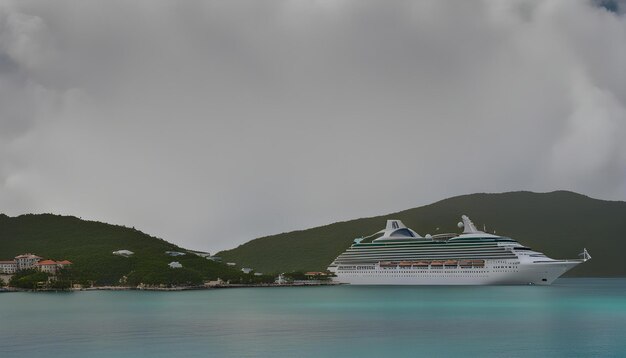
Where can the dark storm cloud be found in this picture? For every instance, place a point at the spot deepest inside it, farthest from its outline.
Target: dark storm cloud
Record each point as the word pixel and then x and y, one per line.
pixel 211 123
pixel 616 6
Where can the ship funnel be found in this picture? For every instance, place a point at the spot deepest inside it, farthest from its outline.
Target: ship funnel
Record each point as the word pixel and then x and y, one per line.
pixel 395 229
pixel 394 224
pixel 468 225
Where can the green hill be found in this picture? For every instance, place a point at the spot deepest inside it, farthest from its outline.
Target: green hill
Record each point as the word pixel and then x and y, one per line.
pixel 559 224
pixel 89 245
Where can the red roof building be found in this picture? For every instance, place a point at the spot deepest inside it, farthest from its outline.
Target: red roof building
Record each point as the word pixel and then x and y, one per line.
pixel 51 266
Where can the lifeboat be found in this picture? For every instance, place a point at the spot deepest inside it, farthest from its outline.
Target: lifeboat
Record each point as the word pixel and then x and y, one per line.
pixel 436 264
pixel 478 263
pixel 406 264
pixel 388 264
pixel 451 262
pixel 465 263
pixel 422 264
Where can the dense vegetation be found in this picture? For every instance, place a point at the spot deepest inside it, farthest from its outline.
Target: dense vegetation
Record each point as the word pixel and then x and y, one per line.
pixel 559 224
pixel 29 279
pixel 89 245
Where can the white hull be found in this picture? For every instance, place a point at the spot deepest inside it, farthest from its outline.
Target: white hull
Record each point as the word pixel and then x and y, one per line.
pixel 401 257
pixel 537 273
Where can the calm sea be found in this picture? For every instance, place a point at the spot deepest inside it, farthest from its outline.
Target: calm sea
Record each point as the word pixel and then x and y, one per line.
pixel 572 318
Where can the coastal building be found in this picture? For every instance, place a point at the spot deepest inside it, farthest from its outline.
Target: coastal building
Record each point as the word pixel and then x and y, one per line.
pixel 218 282
pixel 26 261
pixel 30 261
pixel 246 270
pixel 175 264
pixel 51 267
pixel 123 253
pixel 258 274
pixel 231 264
pixel 47 266
pixel 214 258
pixel 8 267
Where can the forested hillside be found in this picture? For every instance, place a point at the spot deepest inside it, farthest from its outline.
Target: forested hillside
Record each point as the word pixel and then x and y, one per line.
pixel 559 223
pixel 89 245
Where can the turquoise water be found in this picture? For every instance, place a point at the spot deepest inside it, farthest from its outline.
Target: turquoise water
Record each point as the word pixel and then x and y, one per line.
pixel 572 318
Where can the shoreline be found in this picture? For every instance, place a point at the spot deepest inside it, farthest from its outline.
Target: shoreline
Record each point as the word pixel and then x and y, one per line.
pixel 168 289
pixel 197 288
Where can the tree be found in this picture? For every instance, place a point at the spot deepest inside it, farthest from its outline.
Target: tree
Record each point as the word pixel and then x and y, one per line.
pixel 28 279
pixel 295 275
pixel 60 284
pixel 2 283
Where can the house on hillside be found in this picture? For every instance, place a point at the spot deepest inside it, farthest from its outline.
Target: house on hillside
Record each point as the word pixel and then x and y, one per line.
pixel 218 282
pixel 30 261
pixel 175 264
pixel 123 253
pixel 47 266
pixel 26 261
pixel 51 267
pixel 8 267
pixel 246 270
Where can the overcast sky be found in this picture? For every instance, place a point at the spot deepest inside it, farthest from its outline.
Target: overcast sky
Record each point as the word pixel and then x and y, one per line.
pixel 211 123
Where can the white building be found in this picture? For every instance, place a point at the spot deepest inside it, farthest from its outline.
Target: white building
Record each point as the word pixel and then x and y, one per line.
pixel 218 282
pixel 30 261
pixel 8 267
pixel 175 253
pixel 246 270
pixel 26 261
pixel 175 264
pixel 123 253
pixel 50 266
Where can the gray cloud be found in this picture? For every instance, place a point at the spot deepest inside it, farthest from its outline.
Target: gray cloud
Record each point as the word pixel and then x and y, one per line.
pixel 211 123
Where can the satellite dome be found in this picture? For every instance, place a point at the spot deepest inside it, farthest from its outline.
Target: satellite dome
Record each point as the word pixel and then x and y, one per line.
pixel 460 225
pixel 428 236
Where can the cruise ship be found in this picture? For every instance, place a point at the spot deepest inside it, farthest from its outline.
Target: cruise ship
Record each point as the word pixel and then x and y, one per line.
pixel 398 255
